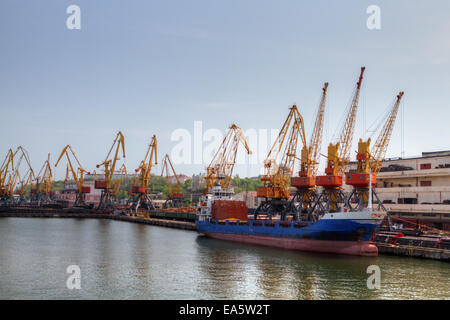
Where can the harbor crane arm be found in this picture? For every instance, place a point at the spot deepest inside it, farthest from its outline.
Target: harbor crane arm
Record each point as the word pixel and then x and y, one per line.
pixel 310 154
pixel 6 168
pixel 118 182
pixel 382 142
pixel 279 176
pixel 346 137
pixel 339 153
pixel 145 167
pixel 78 174
pixel 220 170
pixel 14 174
pixel 165 168
pixel 45 177
pixel 110 164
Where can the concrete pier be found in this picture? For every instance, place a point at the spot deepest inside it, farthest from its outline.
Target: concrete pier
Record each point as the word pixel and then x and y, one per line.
pixel 54 214
pixel 415 252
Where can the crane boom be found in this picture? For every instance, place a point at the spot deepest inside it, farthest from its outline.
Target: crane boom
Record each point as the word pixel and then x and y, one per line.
pixel 310 153
pixel 346 137
pixel 277 178
pixel 339 153
pixel 5 169
pixel 110 164
pixel 77 174
pixel 174 194
pixel 142 181
pixel 369 164
pixel 382 142
pixel 306 194
pixel 220 170
pixel 141 195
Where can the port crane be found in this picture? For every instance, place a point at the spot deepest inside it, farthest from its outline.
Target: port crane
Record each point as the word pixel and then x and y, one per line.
pixel 11 176
pixel 306 196
pixel 24 182
pixel 277 177
pixel 369 163
pixel 44 184
pixel 117 182
pixel 76 173
pixel 139 190
pixel 219 173
pixel 332 198
pixel 220 170
pixel 107 198
pixel 5 170
pixel 175 196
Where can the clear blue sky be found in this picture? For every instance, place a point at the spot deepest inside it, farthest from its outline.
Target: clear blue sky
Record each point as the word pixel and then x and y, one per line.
pixel 146 67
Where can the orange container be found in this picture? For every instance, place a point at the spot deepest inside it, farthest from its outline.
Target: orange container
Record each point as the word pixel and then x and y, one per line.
pixel 229 209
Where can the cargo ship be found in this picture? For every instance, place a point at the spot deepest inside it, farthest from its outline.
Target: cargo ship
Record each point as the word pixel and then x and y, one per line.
pixel 344 232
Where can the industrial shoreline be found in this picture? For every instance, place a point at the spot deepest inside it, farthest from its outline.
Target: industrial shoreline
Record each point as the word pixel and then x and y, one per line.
pixel 383 247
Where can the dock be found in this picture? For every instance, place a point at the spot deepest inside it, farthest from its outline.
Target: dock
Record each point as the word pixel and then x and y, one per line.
pixel 88 215
pixel 413 251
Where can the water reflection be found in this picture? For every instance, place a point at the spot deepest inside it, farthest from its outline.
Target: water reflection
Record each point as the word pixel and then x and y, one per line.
pixel 122 260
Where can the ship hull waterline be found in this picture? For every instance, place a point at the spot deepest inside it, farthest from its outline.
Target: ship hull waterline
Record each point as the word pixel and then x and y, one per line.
pixel 355 248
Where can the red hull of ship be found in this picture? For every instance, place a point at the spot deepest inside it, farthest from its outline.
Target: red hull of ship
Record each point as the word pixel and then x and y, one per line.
pixel 337 247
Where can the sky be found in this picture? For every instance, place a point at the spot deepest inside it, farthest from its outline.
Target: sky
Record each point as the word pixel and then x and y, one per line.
pixel 155 67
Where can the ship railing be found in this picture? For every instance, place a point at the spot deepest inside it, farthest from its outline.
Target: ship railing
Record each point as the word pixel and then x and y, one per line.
pixel 250 223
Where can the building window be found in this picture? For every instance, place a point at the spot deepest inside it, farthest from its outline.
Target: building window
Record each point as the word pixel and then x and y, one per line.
pixel 407 201
pixel 425 166
pixel 425 183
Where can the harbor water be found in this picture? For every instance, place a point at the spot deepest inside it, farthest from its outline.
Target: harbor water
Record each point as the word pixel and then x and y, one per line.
pixel 120 260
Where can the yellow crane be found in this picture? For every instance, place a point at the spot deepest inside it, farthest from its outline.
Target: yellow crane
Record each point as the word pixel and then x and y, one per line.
pixel 44 184
pixel 220 170
pixel 306 195
pixel 276 176
pixel 338 157
pixel 24 182
pixel 5 170
pixel 369 163
pixel 14 177
pixel 140 192
pixel 175 196
pixel 117 182
pixel 107 198
pixel 77 174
